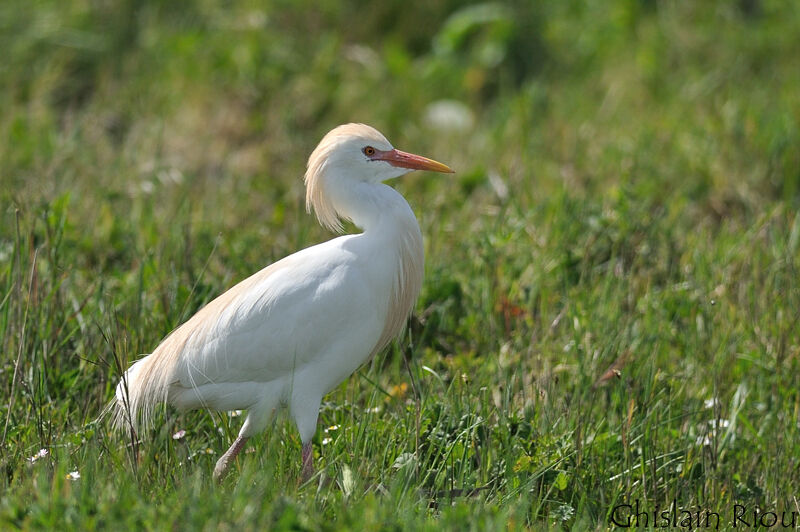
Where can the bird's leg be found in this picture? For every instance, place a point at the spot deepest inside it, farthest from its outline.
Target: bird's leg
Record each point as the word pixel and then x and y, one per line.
pixel 308 462
pixel 221 469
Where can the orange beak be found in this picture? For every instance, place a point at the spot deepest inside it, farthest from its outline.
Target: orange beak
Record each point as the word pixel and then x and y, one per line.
pixel 411 161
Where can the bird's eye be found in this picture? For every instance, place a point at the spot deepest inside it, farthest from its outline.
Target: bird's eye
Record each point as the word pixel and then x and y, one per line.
pixel 369 151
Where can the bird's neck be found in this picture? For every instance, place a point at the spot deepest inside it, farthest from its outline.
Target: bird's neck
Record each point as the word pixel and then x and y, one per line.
pixel 392 232
pixel 376 209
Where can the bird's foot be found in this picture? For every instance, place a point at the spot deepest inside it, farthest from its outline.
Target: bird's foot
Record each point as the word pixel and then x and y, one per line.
pixel 221 469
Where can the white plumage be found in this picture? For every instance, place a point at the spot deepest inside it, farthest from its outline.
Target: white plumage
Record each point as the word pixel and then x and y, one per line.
pixel 292 332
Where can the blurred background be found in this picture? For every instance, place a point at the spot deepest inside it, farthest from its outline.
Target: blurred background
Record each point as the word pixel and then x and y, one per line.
pixel 134 98
pixel 626 197
pixel 146 133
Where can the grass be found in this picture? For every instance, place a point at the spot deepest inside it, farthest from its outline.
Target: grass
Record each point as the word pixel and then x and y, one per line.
pixel 610 308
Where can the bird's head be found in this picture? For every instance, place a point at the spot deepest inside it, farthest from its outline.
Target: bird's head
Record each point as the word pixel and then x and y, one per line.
pixel 353 153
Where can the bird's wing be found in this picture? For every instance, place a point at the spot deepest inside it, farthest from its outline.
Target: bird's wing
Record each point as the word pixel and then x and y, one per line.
pixel 275 322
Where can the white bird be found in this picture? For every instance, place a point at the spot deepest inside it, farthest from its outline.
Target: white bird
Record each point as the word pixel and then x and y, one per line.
pixel 292 332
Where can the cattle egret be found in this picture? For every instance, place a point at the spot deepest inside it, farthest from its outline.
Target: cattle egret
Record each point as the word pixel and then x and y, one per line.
pixel 292 332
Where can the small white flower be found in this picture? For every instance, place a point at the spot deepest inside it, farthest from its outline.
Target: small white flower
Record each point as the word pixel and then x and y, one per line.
pixel 703 441
pixel 235 413
pixel 41 454
pixel 326 441
pixel 711 403
pixel 178 435
pixel 332 427
pixel 74 475
pixel 147 187
pixel 374 410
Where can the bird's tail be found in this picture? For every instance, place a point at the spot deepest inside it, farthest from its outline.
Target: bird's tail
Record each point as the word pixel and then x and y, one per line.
pixel 138 392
